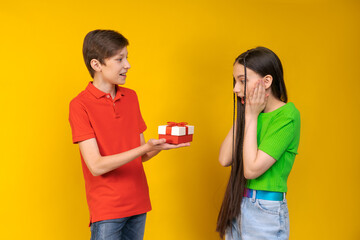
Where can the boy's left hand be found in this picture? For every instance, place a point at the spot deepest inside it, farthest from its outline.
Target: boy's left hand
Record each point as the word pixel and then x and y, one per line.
pixel 160 144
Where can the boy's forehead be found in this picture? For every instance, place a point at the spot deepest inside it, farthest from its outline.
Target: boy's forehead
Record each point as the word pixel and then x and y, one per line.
pixel 121 51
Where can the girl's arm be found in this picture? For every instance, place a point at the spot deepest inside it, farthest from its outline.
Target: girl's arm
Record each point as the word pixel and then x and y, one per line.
pixel 256 162
pixel 225 154
pixel 99 165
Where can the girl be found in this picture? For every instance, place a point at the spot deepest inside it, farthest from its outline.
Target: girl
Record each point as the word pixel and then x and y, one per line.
pixel 260 148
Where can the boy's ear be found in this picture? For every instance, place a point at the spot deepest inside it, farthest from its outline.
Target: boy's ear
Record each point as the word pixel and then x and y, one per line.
pixel 96 65
pixel 268 81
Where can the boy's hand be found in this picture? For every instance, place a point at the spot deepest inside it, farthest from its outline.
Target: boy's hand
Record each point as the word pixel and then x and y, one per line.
pixel 160 144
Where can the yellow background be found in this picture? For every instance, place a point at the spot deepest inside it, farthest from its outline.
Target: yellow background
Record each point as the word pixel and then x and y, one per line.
pixel 181 54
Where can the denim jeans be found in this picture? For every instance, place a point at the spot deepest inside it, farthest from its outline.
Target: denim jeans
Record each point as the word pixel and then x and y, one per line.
pixel 128 228
pixel 260 219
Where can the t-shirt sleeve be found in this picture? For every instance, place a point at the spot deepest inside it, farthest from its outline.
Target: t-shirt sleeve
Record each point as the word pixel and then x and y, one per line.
pixel 141 122
pixel 278 137
pixel 80 124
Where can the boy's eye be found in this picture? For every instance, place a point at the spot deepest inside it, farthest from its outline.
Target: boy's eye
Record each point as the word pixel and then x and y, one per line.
pixel 119 59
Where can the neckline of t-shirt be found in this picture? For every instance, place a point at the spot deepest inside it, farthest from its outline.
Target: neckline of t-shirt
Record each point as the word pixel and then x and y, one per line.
pixel 276 110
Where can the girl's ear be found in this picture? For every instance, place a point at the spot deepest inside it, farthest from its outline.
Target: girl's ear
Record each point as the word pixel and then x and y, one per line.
pixel 268 81
pixel 96 65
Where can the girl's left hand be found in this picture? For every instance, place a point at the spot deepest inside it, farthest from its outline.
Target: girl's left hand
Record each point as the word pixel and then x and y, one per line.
pixel 257 99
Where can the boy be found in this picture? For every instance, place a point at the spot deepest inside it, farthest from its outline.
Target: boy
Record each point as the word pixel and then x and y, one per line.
pixel 107 124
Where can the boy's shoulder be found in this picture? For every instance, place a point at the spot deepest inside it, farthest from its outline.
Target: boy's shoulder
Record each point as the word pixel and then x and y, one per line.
pixel 125 90
pixel 85 95
pixel 79 98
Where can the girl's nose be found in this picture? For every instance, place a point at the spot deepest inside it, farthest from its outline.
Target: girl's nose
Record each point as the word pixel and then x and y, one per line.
pixel 236 88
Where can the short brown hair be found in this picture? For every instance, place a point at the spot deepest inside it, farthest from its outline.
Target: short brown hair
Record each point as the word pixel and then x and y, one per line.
pixel 101 44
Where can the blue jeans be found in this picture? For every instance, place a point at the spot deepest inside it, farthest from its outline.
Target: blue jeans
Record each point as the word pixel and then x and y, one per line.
pixel 128 228
pixel 260 219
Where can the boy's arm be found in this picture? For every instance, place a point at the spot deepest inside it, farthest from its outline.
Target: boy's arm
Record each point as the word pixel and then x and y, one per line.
pixel 99 165
pixel 147 156
pixel 165 146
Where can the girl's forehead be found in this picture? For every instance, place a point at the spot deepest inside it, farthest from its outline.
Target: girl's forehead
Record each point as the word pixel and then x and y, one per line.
pixel 239 71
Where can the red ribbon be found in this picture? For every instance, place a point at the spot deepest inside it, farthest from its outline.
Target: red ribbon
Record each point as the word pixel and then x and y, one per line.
pixel 173 124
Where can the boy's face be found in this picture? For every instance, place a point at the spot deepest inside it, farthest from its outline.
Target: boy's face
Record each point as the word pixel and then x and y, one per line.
pixel 115 68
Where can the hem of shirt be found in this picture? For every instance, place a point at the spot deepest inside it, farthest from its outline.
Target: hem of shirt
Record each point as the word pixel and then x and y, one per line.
pixel 115 216
pixel 268 188
pixel 83 137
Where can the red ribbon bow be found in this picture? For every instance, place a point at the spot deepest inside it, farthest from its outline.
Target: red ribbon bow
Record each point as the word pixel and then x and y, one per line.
pixel 180 124
pixel 173 124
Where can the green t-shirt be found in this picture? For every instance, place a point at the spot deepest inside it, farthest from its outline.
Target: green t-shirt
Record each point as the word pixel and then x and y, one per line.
pixel 278 134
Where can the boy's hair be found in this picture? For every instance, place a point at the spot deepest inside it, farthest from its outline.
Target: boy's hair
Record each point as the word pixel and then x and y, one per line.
pixel 102 44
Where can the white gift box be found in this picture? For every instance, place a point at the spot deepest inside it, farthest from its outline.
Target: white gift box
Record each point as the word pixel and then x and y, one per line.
pixel 176 130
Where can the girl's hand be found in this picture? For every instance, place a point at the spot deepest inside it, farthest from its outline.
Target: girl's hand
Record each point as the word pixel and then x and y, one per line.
pixel 257 100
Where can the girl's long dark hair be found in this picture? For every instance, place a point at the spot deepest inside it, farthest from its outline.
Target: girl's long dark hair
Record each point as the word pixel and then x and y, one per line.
pixel 264 62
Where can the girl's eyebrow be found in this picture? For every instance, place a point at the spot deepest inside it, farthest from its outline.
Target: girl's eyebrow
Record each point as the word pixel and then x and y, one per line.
pixel 241 75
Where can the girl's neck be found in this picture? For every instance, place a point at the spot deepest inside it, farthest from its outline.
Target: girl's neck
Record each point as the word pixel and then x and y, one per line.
pixel 272 104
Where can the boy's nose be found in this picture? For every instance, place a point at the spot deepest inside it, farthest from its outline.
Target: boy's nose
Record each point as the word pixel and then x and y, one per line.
pixel 127 65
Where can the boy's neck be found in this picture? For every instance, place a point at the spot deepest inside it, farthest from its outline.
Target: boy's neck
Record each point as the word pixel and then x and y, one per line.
pixel 105 87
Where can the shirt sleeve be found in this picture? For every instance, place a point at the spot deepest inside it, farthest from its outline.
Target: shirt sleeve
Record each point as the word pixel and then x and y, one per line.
pixel 141 122
pixel 80 124
pixel 278 137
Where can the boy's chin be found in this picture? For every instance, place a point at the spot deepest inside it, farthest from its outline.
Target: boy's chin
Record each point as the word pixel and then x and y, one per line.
pixel 121 82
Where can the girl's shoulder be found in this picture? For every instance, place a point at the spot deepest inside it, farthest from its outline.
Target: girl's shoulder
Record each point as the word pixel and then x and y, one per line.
pixel 283 115
pixel 287 113
pixel 287 110
pixel 290 109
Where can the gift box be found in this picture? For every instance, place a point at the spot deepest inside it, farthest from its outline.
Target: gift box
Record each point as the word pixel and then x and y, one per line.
pixel 176 133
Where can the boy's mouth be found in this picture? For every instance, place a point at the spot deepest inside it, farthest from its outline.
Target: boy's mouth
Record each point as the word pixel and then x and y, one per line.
pixel 123 74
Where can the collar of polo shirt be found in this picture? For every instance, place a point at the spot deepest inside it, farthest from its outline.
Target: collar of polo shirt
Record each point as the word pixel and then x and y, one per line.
pixel 99 94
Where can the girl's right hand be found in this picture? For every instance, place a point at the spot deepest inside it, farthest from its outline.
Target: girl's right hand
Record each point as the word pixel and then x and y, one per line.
pixel 257 100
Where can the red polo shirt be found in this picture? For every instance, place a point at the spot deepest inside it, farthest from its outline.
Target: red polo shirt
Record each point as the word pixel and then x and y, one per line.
pixel 116 124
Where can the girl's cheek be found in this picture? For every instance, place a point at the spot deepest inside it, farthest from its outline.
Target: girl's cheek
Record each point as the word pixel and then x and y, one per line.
pixel 252 88
pixel 249 90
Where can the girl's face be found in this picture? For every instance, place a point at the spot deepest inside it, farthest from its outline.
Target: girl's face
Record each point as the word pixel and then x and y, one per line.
pixel 239 76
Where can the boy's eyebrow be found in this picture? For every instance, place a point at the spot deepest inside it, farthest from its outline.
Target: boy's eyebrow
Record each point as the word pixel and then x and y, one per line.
pixel 121 54
pixel 241 75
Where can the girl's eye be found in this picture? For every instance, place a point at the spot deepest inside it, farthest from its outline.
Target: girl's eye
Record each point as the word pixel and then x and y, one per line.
pixel 119 59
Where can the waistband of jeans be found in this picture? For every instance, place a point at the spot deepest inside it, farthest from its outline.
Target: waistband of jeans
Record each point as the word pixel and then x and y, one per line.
pixel 264 195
